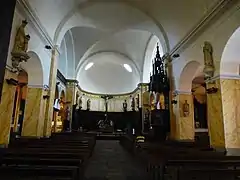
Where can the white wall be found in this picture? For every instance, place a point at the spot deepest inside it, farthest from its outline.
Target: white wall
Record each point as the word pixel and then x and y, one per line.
pixel 108 75
pixel 36 45
pixel 218 35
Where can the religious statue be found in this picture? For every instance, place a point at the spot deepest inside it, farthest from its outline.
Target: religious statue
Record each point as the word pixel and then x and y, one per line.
pixel 208 60
pixel 133 104
pixel 80 102
pixel 20 48
pixel 186 109
pixel 88 104
pixel 125 105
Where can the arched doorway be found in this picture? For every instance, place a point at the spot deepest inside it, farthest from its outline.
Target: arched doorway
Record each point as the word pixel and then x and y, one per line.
pixel 19 103
pixel 193 88
pixel 230 92
pixel 200 109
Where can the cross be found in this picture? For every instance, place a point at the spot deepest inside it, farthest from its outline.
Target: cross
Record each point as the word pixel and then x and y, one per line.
pixel 106 98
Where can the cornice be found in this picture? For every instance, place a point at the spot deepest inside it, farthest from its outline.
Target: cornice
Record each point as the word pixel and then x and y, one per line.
pixel 224 76
pixel 31 16
pixel 216 12
pixel 114 95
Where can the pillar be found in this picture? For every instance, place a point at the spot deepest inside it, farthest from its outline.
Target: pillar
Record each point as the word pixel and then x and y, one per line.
pixel 33 122
pixel 185 129
pixel 6 108
pixel 215 116
pixel 6 15
pixel 173 130
pixel 51 94
pixel 70 96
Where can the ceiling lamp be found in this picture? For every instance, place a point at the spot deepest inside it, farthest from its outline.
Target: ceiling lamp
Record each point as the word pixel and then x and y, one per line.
pixel 88 66
pixel 127 67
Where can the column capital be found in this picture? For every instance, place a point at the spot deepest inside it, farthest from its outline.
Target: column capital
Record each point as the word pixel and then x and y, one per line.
pixel 56 50
pixel 179 92
pixel 37 86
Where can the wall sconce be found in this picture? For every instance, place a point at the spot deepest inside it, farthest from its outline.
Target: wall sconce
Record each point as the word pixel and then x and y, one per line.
pixel 12 81
pixel 46 97
pixel 211 90
pixel 174 101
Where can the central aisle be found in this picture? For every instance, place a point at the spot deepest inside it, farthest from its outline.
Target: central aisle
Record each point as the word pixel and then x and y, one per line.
pixel 110 161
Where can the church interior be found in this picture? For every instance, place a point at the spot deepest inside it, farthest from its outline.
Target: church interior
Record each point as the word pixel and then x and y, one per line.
pixel 121 89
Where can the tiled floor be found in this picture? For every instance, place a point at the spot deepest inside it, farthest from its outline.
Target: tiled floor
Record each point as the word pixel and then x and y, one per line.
pixel 111 162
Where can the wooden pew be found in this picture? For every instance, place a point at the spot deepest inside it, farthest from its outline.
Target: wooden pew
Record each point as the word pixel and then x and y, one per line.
pixel 40 155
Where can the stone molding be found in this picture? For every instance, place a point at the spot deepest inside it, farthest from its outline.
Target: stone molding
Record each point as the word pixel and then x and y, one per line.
pixel 178 92
pixel 223 76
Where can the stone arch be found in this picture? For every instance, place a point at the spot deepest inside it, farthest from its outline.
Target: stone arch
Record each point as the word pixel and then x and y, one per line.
pixel 230 60
pixel 189 72
pixel 34 69
pixel 60 31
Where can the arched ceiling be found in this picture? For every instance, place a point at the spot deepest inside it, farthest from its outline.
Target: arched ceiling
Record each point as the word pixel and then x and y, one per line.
pixel 113 32
pixel 175 18
pixel 107 75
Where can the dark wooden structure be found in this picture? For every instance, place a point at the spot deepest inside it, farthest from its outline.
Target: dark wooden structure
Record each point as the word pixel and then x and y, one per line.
pixel 121 120
pixel 159 85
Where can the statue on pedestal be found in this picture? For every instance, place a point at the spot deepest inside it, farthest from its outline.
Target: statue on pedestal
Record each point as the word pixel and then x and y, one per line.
pixel 208 60
pixel 20 48
pixel 133 104
pixel 186 109
pixel 88 104
pixel 80 103
pixel 125 105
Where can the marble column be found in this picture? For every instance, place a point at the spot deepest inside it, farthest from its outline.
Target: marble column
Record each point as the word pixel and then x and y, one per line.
pixel 70 96
pixel 173 130
pixel 34 118
pixel 215 116
pixel 6 108
pixel 6 15
pixel 52 88
pixel 230 91
pixel 184 126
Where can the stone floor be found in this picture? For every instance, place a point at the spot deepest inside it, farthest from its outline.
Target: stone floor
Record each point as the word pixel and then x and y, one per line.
pixel 111 162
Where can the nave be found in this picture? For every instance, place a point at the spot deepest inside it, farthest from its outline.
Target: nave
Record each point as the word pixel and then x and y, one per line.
pixel 111 161
pixel 79 156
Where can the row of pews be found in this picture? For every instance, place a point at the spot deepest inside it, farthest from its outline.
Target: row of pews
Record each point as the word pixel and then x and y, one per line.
pixel 63 156
pixel 183 161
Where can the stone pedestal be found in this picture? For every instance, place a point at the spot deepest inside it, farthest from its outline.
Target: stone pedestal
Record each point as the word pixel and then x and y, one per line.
pixel 52 87
pixel 6 108
pixel 6 15
pixel 34 113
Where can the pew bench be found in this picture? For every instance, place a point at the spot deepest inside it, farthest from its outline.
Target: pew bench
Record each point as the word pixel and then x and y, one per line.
pixel 36 172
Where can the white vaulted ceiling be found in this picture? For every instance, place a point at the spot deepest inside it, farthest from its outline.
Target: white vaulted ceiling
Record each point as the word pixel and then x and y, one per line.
pixel 112 32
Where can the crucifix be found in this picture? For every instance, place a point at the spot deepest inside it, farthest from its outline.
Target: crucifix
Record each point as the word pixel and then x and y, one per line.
pixel 106 98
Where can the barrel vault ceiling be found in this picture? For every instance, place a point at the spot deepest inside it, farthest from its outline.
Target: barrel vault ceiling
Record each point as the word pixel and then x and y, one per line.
pixel 121 30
